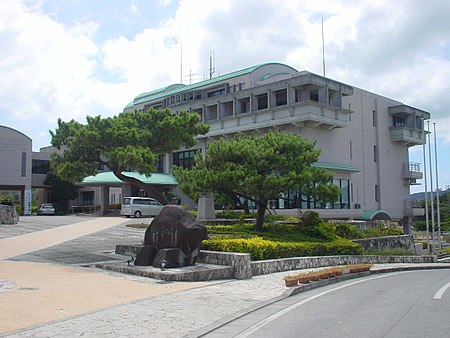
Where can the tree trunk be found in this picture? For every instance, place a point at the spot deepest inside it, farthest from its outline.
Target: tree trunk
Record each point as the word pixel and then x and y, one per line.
pixel 150 190
pixel 260 215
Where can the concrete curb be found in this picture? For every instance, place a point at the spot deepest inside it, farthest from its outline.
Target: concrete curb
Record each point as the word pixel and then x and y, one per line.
pixel 302 288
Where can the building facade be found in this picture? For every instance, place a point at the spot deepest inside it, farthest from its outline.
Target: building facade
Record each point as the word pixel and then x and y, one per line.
pixel 15 167
pixel 363 137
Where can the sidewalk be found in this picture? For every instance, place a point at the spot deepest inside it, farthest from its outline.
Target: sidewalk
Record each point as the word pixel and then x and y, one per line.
pixel 43 299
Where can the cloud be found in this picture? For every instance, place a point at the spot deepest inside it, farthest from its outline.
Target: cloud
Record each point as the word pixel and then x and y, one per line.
pixel 46 68
pixel 398 49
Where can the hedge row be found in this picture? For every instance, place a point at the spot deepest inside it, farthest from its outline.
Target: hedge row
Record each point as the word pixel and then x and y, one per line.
pixel 261 249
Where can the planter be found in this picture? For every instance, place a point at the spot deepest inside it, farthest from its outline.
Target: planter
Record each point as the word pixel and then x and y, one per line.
pixel 290 282
pixel 304 280
pixel 325 275
pixel 315 278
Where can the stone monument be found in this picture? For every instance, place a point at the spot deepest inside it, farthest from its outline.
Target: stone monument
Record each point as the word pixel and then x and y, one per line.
pixel 172 240
pixel 8 213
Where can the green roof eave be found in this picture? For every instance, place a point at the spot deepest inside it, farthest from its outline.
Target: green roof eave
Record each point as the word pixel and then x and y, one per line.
pixel 108 177
pixel 159 94
pixel 371 215
pixel 336 167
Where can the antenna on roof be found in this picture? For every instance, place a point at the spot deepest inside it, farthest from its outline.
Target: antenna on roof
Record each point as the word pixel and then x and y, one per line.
pixel 212 62
pixel 323 50
pixel 181 63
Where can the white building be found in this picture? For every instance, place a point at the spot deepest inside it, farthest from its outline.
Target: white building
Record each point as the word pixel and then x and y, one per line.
pixel 363 137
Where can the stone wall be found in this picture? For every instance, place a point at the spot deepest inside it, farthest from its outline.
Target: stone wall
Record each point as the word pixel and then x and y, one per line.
pixel 296 263
pixel 8 214
pixel 244 268
pixel 403 241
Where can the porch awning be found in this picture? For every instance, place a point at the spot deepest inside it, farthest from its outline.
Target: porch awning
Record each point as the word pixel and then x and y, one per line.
pixel 373 215
pixel 108 177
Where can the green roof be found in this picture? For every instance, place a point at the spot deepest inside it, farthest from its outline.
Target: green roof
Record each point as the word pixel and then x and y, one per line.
pixel 166 91
pixel 372 215
pixel 336 167
pixel 108 177
pixel 161 90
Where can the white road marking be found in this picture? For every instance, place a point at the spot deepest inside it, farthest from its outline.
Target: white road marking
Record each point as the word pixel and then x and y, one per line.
pixel 260 324
pixel 441 291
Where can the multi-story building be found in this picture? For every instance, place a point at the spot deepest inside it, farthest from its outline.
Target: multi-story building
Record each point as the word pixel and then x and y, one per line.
pixel 363 137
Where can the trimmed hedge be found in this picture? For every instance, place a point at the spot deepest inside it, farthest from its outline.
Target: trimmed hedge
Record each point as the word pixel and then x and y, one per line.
pixel 261 249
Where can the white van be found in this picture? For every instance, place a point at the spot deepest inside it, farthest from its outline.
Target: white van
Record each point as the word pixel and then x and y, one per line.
pixel 140 206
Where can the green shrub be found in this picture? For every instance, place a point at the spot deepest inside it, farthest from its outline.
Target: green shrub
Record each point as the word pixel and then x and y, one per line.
pixel 311 218
pixel 260 248
pixel 348 231
pixel 323 231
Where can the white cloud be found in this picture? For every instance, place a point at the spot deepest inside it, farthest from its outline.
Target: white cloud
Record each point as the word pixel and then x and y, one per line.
pixel 398 49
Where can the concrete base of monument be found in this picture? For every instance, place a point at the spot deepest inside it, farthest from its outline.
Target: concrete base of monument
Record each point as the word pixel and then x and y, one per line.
pixel 197 272
pixel 210 265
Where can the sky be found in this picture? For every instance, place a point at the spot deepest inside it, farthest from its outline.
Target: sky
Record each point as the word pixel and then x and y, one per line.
pixel 72 58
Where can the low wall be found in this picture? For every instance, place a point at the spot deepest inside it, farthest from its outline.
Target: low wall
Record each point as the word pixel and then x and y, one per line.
pixel 402 241
pixel 244 268
pixel 296 263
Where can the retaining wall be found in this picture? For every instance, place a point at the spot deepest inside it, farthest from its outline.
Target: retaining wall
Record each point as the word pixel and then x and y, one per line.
pixel 244 268
pixel 402 241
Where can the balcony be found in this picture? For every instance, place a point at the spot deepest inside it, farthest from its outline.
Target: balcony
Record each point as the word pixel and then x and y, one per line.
pixel 408 136
pixel 411 173
pixel 407 125
pixel 414 208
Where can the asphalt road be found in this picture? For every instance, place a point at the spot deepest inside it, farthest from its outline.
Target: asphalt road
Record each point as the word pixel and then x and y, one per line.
pixel 400 304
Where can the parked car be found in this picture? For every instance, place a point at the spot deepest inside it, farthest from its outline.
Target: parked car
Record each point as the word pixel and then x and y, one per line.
pixel 140 206
pixel 46 209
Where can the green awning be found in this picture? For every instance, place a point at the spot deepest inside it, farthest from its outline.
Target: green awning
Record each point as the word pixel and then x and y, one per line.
pixel 336 167
pixel 108 177
pixel 373 215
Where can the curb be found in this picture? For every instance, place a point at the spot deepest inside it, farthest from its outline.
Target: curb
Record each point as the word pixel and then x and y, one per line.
pixel 299 289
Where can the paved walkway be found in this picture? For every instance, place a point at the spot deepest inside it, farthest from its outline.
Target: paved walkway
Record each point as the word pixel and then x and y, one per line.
pixel 44 291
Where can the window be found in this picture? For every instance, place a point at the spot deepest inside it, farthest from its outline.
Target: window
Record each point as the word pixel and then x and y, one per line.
pixel 314 95
pixel 377 193
pixel 293 199
pixel 399 121
pixel 281 98
pixel 374 118
pixel 375 153
pixel 216 92
pixel 184 159
pixel 243 105
pixel 87 198
pixel 24 164
pixel 262 101
pixel 40 166
pixel 159 165
pixel 351 150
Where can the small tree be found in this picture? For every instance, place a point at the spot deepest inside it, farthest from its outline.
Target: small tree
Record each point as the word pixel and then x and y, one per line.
pixel 129 140
pixel 60 191
pixel 258 169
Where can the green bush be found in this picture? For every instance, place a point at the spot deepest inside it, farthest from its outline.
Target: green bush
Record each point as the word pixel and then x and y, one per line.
pixel 311 218
pixel 323 231
pixel 348 231
pixel 260 248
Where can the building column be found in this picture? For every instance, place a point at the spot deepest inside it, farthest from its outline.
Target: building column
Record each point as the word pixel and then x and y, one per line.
pixel 104 202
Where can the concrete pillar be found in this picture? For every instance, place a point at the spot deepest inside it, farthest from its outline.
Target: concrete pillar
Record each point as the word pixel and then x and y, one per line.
pixel 104 205
pixel 206 206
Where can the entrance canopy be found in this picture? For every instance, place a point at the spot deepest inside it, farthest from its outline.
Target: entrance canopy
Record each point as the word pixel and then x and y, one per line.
pixel 375 215
pixel 109 178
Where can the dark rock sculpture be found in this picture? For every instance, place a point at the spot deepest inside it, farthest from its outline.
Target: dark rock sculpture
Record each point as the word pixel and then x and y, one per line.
pixel 172 239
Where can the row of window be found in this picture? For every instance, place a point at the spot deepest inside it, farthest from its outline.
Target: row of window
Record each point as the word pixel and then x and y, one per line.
pixel 40 166
pixel 294 199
